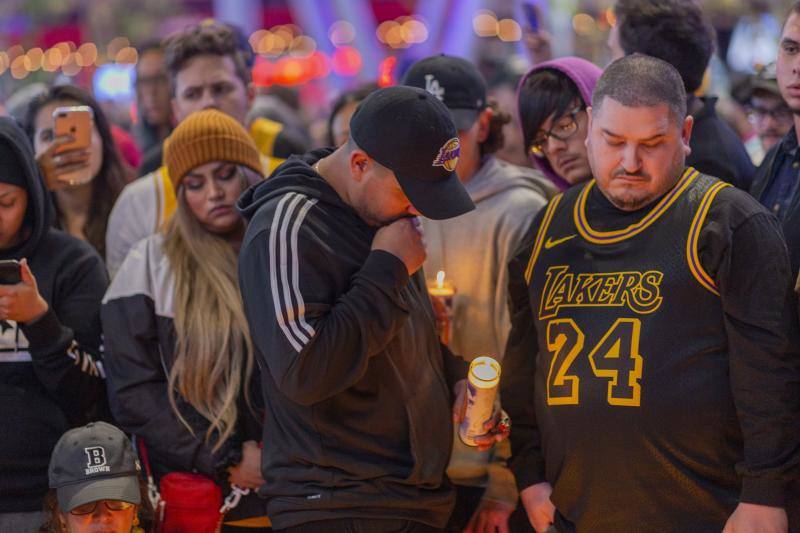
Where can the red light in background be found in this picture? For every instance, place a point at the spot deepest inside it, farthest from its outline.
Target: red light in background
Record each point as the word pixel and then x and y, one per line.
pixel 263 72
pixel 346 61
pixel 290 71
pixel 386 72
pixel 320 65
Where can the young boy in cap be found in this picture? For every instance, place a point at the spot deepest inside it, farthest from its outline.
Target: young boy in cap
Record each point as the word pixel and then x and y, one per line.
pixel 473 251
pixel 94 473
pixel 359 428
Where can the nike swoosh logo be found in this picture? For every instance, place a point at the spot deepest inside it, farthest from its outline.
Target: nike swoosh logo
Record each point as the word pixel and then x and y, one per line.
pixel 550 243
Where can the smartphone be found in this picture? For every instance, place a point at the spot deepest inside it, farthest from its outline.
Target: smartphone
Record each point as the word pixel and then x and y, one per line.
pixel 532 15
pixel 77 122
pixel 9 272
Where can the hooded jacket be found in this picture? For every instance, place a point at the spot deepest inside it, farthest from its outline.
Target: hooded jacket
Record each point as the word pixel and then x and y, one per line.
pixel 357 385
pixel 51 375
pixel 474 250
pixel 585 75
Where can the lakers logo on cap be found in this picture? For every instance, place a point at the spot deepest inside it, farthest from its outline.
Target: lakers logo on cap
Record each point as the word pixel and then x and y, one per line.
pixel 448 155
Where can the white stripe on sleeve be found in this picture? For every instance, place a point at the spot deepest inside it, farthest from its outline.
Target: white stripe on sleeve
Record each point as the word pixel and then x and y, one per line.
pixel 290 312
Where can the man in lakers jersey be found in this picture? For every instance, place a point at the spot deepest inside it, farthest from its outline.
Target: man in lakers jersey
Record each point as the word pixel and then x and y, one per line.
pixel 652 368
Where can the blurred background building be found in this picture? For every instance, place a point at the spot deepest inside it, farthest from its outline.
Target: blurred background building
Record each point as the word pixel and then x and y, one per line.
pixel 306 51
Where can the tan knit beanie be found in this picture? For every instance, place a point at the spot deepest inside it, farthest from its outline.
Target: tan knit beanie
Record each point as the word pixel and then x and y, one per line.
pixel 207 136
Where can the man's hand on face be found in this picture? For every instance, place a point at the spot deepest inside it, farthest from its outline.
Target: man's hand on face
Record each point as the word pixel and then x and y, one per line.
pixel 403 239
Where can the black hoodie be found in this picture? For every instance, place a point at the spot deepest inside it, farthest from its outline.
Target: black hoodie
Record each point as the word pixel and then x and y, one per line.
pixel 50 370
pixel 357 386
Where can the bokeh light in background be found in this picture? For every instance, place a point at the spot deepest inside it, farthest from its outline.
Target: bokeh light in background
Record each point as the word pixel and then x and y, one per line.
pixel 317 48
pixel 114 82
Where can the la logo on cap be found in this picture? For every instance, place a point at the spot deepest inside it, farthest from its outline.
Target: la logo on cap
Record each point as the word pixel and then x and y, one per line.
pixel 433 87
pixel 96 456
pixel 448 155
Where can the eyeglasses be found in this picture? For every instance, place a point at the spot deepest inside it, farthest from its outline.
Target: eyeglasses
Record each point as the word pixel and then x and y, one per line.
pixel 111 505
pixel 779 114
pixel 564 128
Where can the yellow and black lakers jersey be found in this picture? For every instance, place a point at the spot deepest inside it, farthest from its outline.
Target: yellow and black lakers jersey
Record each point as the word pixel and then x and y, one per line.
pixel 632 386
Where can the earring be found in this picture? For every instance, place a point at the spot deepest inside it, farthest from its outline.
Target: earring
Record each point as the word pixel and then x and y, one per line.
pixel 136 528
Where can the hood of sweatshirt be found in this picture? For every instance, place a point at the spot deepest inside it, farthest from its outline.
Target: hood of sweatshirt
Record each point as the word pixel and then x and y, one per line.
pixel 296 174
pixel 585 75
pixel 39 214
pixel 496 176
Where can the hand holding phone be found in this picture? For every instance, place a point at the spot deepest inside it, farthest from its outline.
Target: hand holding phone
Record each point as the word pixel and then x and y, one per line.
pixel 531 15
pixel 66 162
pixel 20 301
pixel 537 39
pixel 9 272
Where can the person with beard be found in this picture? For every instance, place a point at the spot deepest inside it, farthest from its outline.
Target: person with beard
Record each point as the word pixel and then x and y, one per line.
pixel 776 182
pixel 358 385
pixel 506 198
pixel 652 366
pixel 678 32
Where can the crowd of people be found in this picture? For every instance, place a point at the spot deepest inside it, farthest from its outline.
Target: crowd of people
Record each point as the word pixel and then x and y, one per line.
pixel 242 338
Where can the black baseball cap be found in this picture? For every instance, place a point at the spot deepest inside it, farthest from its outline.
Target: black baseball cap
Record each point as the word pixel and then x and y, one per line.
pixel 410 132
pixel 94 462
pixel 453 80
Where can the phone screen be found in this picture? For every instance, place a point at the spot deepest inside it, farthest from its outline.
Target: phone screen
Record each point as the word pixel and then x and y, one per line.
pixel 9 272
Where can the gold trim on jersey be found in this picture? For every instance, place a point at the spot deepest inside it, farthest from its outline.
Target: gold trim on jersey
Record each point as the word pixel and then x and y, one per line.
pixel 610 237
pixel 537 247
pixel 692 255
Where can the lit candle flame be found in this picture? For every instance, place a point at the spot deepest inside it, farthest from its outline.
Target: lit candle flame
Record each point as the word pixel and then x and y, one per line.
pixel 440 279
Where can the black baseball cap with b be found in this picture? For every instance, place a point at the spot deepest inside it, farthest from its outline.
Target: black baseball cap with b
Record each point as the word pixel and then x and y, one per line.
pixel 410 132
pixel 453 80
pixel 94 462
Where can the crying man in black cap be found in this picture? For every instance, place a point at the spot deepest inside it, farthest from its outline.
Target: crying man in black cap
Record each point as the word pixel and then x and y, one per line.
pixel 359 389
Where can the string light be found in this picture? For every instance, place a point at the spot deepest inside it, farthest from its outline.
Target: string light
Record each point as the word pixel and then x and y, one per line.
pixel 127 56
pixel 18 70
pixel 485 23
pixel 302 46
pixel 86 54
pixel 4 62
pixel 584 24
pixel 508 30
pixel 116 45
pixel 341 32
pixel 33 59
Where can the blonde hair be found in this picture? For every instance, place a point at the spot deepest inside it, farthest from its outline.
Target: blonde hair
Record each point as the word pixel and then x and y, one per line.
pixel 213 353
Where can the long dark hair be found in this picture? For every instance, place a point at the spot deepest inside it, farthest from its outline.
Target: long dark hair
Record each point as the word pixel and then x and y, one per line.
pixel 545 92
pixel 109 181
